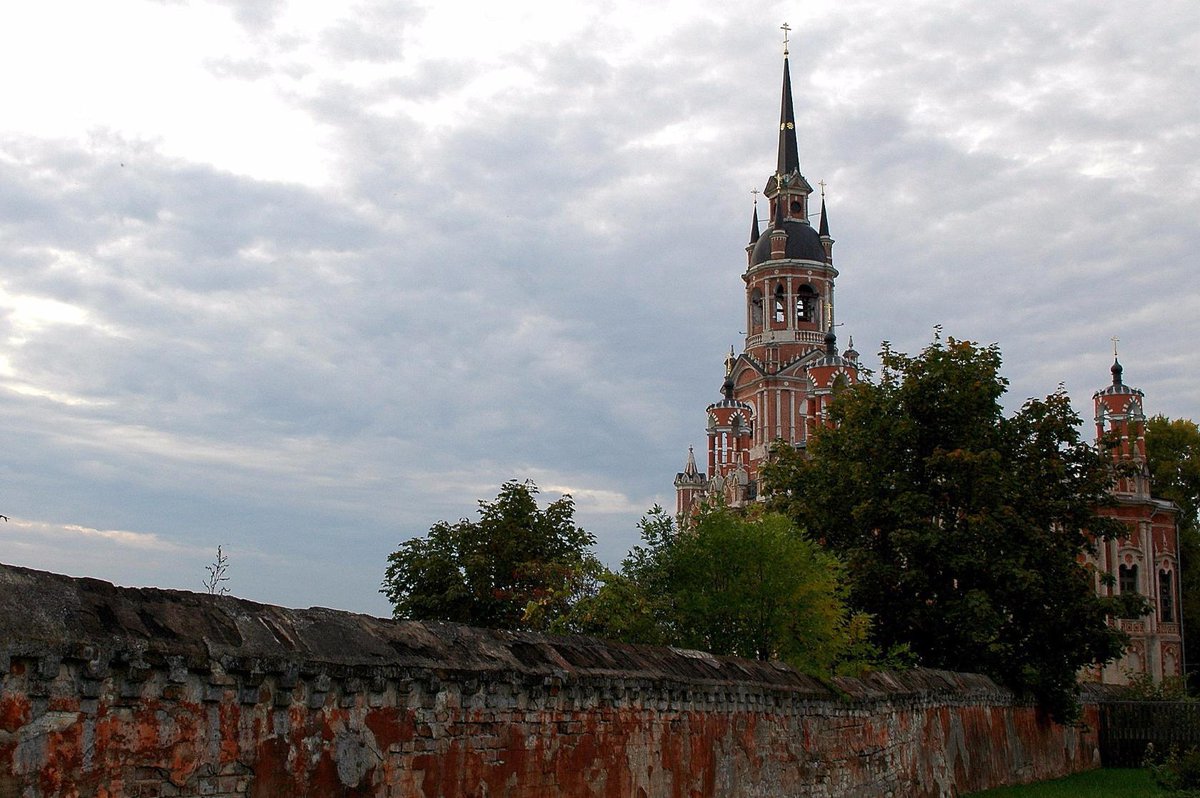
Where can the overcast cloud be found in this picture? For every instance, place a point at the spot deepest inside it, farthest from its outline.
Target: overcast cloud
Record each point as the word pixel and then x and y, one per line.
pixel 301 280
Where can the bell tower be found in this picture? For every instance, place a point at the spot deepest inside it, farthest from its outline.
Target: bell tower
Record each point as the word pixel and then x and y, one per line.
pixel 780 384
pixel 1146 559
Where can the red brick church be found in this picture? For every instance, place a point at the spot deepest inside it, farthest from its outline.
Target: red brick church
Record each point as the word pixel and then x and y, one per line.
pixel 1147 561
pixel 776 389
pixel 779 387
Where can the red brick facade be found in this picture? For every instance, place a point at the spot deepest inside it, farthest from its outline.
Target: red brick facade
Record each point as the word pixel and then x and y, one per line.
pixel 117 693
pixel 1146 561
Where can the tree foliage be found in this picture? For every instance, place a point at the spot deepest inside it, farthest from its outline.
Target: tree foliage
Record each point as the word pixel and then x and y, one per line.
pixel 962 529
pixel 750 586
pixel 1173 455
pixel 517 567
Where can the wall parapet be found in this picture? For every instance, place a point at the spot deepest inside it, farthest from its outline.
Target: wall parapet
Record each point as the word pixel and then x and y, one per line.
pixel 122 689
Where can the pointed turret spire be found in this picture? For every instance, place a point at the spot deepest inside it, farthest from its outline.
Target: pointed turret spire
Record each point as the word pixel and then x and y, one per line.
pixel 754 222
pixel 824 231
pixel 789 152
pixel 690 470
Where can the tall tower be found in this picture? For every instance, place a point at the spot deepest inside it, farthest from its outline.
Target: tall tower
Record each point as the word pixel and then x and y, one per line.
pixel 1146 560
pixel 778 388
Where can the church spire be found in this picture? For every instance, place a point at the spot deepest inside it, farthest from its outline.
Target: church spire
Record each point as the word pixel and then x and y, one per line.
pixel 690 469
pixel 754 232
pixel 824 231
pixel 789 152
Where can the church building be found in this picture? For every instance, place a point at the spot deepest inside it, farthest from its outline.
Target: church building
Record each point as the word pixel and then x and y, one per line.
pixel 1146 561
pixel 778 389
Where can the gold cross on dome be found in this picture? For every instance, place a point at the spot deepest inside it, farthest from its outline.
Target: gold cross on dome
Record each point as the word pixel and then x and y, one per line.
pixel 1115 339
pixel 786 29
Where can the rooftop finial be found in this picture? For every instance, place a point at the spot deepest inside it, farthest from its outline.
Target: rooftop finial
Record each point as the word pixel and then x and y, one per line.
pixel 754 233
pixel 786 30
pixel 824 231
pixel 1116 366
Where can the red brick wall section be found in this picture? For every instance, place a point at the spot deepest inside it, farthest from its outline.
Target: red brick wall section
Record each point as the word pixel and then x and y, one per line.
pixel 121 692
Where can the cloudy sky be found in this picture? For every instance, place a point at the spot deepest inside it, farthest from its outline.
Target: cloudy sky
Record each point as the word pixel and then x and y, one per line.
pixel 301 278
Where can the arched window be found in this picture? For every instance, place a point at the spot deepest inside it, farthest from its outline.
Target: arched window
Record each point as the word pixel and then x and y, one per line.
pixel 756 310
pixel 1127 578
pixel 780 305
pixel 806 305
pixel 1166 596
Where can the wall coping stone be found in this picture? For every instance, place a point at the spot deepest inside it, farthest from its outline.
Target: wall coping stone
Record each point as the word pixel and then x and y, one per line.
pixel 51 619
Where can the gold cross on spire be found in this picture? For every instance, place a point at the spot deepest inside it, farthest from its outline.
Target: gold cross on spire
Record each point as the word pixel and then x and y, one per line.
pixel 755 192
pixel 786 29
pixel 821 183
pixel 1115 339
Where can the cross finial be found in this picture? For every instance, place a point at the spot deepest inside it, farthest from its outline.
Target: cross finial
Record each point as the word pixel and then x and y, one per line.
pixel 755 192
pixel 1115 339
pixel 821 183
pixel 786 29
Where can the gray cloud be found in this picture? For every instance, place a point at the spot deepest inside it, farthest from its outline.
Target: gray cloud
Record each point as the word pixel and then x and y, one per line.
pixel 541 280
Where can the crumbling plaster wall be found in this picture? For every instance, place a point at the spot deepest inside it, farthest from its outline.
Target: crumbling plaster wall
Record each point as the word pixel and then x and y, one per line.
pixel 139 692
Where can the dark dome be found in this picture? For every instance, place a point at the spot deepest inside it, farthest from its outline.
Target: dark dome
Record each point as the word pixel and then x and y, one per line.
pixel 803 243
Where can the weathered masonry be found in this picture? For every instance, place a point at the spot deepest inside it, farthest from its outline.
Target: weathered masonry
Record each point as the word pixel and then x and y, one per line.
pixel 139 692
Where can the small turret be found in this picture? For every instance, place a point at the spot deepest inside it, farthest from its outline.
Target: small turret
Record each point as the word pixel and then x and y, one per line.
pixel 1119 415
pixel 826 239
pixel 851 354
pixel 690 487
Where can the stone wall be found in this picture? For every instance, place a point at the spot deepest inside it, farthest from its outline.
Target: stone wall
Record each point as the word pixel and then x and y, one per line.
pixel 120 692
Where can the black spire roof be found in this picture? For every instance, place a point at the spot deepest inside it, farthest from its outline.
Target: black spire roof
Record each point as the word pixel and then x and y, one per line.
pixel 788 162
pixel 824 219
pixel 789 153
pixel 754 226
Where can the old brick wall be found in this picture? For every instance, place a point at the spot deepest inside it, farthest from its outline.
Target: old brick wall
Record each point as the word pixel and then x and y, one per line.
pixel 119 692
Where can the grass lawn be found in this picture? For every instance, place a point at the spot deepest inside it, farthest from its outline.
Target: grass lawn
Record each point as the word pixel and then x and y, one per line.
pixel 1105 783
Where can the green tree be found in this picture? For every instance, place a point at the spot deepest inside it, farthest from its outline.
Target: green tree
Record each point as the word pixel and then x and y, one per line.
pixel 517 567
pixel 962 529
pixel 1173 455
pixel 751 586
